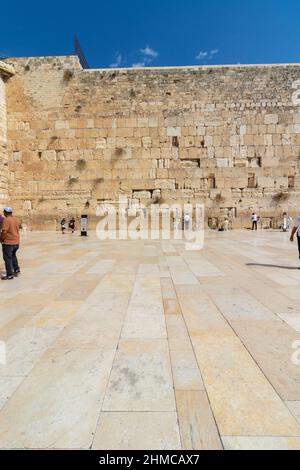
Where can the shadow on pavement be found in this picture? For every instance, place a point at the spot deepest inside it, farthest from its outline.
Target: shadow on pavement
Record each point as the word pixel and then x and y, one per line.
pixel 271 266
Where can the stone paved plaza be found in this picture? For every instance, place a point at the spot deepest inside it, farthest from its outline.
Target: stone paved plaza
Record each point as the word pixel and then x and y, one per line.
pixel 143 345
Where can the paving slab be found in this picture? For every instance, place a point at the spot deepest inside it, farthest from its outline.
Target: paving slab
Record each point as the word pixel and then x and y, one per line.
pixel 145 345
pixel 198 429
pixel 137 431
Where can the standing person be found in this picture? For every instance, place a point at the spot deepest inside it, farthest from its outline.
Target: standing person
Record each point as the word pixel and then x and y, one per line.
pixel 1 222
pixel 226 225
pixel 295 230
pixel 72 225
pixel 10 239
pixel 63 225
pixel 254 219
pixel 286 222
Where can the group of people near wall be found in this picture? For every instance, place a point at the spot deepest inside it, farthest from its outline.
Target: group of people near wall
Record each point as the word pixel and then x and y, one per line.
pixel 286 223
pixel 71 225
pixel 10 236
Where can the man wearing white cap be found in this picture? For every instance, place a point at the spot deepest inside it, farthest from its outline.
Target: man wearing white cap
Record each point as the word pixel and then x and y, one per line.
pixel 10 239
pixel 295 230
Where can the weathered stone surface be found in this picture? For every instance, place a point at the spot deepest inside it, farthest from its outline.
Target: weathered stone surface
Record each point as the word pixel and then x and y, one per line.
pixel 191 132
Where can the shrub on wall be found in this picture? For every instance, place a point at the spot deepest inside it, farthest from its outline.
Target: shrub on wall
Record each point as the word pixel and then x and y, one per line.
pixel 80 165
pixel 281 197
pixel 119 152
pixel 68 74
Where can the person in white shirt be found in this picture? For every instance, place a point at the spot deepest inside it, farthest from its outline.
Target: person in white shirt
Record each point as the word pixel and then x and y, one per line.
pixel 254 221
pixel 226 225
pixel 287 220
pixel 296 230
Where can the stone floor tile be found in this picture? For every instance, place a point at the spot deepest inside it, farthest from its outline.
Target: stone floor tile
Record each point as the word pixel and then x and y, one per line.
pixel 137 431
pixel 141 378
pixel 198 429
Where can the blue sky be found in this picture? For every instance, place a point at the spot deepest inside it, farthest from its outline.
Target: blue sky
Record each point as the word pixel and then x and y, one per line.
pixel 154 32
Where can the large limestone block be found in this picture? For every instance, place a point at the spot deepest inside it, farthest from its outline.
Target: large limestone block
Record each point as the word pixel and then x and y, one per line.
pixel 142 195
pixel 271 119
pixel 49 155
pixel 164 184
pixel 174 131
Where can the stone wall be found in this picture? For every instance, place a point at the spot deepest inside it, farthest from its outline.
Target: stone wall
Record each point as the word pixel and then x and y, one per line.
pixel 226 136
pixel 5 72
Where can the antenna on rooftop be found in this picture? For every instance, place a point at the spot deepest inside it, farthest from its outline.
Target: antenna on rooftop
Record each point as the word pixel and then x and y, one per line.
pixel 80 54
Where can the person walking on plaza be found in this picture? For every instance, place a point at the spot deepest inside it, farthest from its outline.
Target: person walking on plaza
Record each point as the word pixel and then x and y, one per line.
pixel 10 239
pixel 72 225
pixel 296 230
pixel 287 220
pixel 63 225
pixel 254 219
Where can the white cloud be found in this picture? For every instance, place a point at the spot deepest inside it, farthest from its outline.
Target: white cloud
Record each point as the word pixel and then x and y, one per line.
pixel 147 56
pixel 138 65
pixel 118 61
pixel 202 55
pixel 207 55
pixel 149 52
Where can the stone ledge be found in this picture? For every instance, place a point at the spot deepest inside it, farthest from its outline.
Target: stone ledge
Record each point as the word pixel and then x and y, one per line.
pixel 195 67
pixel 6 70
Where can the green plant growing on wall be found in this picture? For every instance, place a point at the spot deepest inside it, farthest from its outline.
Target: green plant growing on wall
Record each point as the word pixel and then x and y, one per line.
pixel 119 152
pixel 281 197
pixel 97 182
pixel 68 74
pixel 80 165
pixel 87 204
